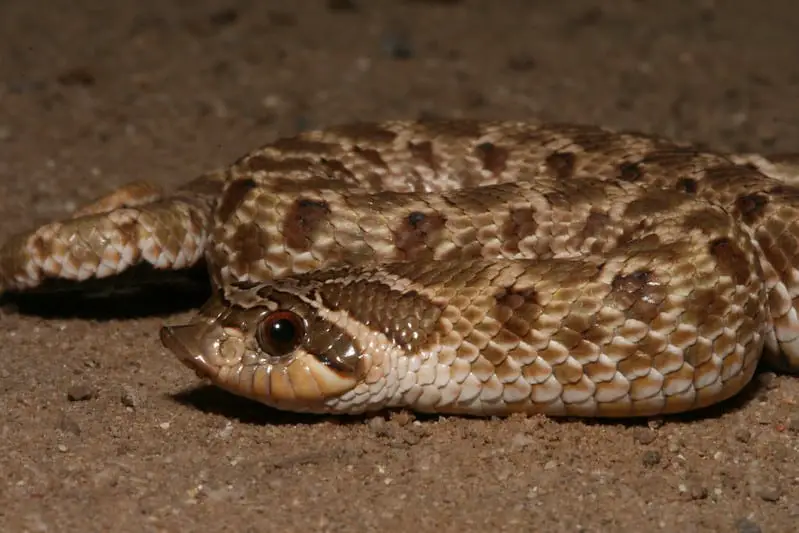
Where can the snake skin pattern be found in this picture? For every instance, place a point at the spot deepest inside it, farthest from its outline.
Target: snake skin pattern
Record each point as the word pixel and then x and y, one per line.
pixel 469 267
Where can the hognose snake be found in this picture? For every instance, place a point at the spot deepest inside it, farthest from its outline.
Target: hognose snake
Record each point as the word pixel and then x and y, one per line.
pixel 462 267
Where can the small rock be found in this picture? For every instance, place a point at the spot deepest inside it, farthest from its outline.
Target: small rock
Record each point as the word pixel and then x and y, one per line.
pixel 697 492
pixel 693 490
pixel 521 441
pixel 226 432
pixel 398 46
pixel 69 425
pixel 768 380
pixel 80 393
pixel 769 493
pixel 651 457
pixel 378 426
pixel 412 438
pixel 744 525
pixel 644 435
pixel 403 418
pixel 129 397
pixel 743 435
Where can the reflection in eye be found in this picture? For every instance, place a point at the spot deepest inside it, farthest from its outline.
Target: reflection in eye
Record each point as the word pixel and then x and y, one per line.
pixel 280 332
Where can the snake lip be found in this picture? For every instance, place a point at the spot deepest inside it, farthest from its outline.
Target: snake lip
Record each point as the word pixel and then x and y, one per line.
pixel 181 345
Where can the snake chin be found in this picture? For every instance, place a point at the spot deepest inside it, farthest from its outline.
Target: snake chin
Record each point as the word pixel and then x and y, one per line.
pixel 232 359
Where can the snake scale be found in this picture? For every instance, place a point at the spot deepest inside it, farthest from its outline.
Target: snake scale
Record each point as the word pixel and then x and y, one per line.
pixel 458 266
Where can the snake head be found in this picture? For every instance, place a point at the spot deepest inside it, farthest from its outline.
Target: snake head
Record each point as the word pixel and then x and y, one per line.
pixel 272 345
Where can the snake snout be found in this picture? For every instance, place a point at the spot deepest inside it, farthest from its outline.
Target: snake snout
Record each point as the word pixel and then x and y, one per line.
pixel 184 342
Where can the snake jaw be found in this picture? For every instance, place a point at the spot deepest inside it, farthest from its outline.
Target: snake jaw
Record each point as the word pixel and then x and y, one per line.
pixel 182 341
pixel 225 343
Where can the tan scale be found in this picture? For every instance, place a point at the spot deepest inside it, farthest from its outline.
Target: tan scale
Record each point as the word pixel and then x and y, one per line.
pixel 461 267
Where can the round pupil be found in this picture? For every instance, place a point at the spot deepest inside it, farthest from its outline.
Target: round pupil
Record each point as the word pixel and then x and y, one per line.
pixel 283 331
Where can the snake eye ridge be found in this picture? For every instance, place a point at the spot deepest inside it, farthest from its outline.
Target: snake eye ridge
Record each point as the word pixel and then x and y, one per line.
pixel 280 332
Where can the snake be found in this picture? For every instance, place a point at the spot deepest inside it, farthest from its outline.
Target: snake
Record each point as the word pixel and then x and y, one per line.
pixel 457 266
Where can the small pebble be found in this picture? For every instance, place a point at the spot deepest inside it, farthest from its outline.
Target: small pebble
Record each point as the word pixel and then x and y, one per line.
pixel 378 426
pixel 644 435
pixel 69 425
pixel 226 432
pixel 743 435
pixel 651 457
pixel 769 493
pixel 697 492
pixel 402 418
pixel 693 490
pixel 768 380
pixel 744 525
pixel 129 397
pixel 80 393
pixel 412 438
pixel 398 46
pixel 521 441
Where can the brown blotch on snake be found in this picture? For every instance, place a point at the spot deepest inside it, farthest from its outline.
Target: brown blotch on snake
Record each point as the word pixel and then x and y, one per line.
pixel 751 207
pixel 630 172
pixel 595 224
pixel 423 151
pixel 638 294
pixel 687 185
pixel 304 218
pixel 248 241
pixel 337 170
pixel 371 156
pixel 731 259
pixel 494 158
pixel 561 164
pixel 418 231
pixel 233 196
pixel 519 223
pixel 514 298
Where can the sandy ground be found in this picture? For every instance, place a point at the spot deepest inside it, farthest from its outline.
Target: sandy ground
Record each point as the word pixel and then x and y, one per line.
pixel 102 430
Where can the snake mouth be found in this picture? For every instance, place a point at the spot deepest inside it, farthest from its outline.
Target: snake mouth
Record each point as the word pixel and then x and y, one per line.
pixel 182 341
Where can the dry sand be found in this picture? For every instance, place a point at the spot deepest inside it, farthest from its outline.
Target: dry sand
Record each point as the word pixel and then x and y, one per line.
pixel 102 430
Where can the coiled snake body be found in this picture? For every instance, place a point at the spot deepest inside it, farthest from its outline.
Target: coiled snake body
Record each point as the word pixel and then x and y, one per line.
pixel 462 267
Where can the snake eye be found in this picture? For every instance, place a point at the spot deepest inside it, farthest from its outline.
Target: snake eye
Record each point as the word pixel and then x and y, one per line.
pixel 280 332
